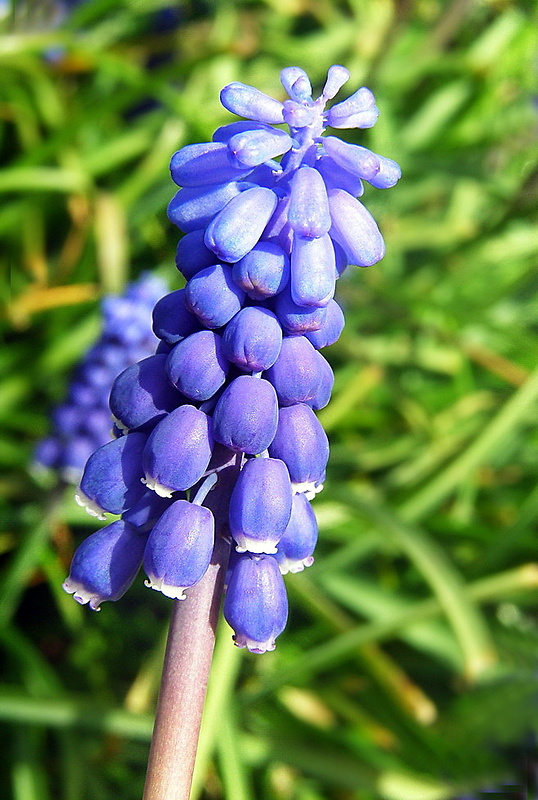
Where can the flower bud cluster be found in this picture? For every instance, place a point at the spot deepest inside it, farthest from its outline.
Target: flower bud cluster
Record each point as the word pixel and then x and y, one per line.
pixel 221 430
pixel 81 423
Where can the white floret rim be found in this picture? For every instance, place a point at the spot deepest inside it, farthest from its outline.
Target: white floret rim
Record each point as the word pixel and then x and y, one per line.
pixel 93 509
pixel 309 488
pixel 252 645
pixel 158 488
pixel 294 565
pixel 174 592
pixel 82 594
pixel 245 544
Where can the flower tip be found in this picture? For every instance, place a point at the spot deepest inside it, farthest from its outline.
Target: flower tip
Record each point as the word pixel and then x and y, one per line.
pixel 158 488
pixel 248 545
pixel 336 77
pixel 91 507
pixel 253 646
pixel 81 594
pixel 309 488
pixel 174 592
pixel 290 565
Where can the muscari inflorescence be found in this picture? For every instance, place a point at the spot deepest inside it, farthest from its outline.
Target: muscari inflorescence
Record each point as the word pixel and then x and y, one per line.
pixel 221 437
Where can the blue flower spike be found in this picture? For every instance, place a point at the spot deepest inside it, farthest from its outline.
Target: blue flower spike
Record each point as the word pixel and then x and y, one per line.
pixel 82 423
pixel 271 220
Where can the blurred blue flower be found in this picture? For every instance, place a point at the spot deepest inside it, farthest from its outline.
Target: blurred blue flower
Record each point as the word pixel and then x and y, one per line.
pixel 265 242
pixel 82 423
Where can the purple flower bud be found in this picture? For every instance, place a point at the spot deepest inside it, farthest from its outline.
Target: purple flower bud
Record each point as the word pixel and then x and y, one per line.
pixel 331 327
pixel 278 229
pixel 297 319
pixel 179 548
pixel 225 132
pixel 144 514
pixel 289 75
pixel 260 505
pixel 213 295
pixel 256 605
pixel 172 320
pixel 297 115
pixel 336 77
pixel 263 272
pixel 295 81
pixel 352 157
pixel 254 147
pixel 336 177
pixel 196 366
pixel 355 229
pixel 309 207
pixel 105 564
pixel 246 101
pixel 313 271
pixel 177 451
pixel 252 339
pixel 389 174
pixel 357 111
pixel 325 386
pixel 296 374
pixel 112 477
pixel 246 414
pixel 302 444
pixel 192 255
pixel 296 547
pixel 205 164
pixel 141 396
pixel 191 209
pixel 236 229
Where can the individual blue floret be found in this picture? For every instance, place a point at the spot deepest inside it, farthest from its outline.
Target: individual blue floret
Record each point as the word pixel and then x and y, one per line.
pixel 106 564
pixel 260 505
pixel 256 606
pixel 179 548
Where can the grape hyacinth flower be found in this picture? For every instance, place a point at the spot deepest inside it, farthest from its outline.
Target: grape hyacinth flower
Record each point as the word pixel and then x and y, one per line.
pixel 220 424
pixel 82 422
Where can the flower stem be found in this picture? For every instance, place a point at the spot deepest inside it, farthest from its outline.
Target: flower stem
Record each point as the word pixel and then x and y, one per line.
pixel 187 662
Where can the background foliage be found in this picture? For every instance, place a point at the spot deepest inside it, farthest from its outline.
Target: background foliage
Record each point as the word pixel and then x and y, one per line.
pixel 409 668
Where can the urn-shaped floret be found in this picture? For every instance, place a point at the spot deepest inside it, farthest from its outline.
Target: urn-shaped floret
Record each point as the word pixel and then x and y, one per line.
pixel 141 395
pixel 172 320
pixel 112 477
pixel 302 444
pixel 228 235
pixel 297 372
pixel 252 339
pixel 246 414
pixel 264 271
pixel 256 605
pixel 179 548
pixel 260 505
pixel 296 546
pixel 178 450
pixel 197 366
pixel 105 564
pixel 213 295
